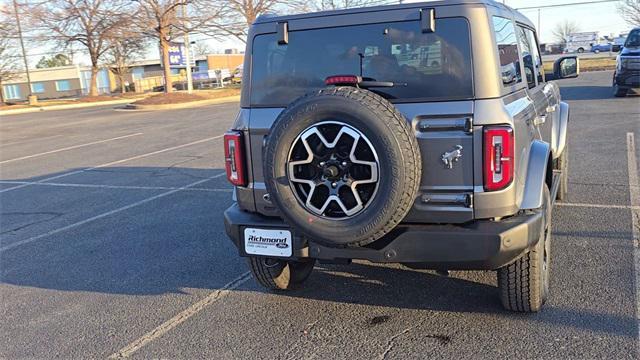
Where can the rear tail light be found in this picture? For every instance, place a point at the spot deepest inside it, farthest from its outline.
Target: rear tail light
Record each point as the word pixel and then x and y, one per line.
pixel 498 157
pixel 234 158
pixel 342 80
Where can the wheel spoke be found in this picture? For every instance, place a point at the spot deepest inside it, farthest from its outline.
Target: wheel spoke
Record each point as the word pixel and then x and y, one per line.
pixel 332 170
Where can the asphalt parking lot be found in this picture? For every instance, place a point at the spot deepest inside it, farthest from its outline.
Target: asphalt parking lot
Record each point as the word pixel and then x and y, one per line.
pixel 112 245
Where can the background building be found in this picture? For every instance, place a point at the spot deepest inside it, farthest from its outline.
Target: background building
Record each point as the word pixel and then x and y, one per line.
pixel 73 80
pixel 57 82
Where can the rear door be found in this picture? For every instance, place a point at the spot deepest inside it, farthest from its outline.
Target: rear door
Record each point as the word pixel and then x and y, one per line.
pixel 540 94
pixel 432 70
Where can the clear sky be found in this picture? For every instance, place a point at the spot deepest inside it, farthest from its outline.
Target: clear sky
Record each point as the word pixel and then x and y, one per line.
pixel 603 17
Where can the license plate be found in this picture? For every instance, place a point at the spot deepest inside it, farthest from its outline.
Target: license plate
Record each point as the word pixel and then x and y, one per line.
pixel 267 242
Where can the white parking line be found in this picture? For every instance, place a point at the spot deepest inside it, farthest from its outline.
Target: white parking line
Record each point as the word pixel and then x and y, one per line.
pixel 634 195
pixel 71 226
pixel 180 317
pixel 600 206
pixel 69 148
pixel 125 187
pixel 115 162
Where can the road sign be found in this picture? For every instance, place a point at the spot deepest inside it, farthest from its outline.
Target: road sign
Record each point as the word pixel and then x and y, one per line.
pixel 177 54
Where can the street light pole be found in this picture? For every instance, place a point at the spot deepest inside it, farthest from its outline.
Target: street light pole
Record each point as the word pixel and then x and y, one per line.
pixel 187 53
pixel 538 20
pixel 32 99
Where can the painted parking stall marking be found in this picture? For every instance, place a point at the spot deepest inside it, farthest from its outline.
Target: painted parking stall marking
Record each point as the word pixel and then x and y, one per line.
pixel 116 162
pixel 181 317
pixel 108 213
pixel 634 195
pixel 69 148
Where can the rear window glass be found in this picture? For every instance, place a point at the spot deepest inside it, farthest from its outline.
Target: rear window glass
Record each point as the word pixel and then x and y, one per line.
pixel 427 66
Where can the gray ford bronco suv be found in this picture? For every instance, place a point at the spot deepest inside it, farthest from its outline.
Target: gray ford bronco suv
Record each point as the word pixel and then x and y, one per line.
pixel 425 134
pixel 627 74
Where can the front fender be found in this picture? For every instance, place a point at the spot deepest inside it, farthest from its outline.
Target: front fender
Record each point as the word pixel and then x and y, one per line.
pixel 536 175
pixel 560 138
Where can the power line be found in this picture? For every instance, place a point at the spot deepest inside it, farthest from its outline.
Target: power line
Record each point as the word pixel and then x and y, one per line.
pixel 567 4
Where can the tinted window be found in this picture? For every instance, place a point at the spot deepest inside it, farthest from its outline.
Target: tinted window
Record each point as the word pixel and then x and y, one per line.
pixel 37 88
pixel 425 65
pixel 507 42
pixel 63 85
pixel 527 57
pixel 537 59
pixel 11 92
pixel 633 40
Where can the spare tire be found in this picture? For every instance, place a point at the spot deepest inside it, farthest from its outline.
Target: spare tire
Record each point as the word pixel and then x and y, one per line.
pixel 342 165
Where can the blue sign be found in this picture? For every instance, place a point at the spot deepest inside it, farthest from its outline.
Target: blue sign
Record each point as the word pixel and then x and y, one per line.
pixel 176 54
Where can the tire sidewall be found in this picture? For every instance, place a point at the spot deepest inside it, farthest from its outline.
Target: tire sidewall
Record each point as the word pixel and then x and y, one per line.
pixel 544 247
pixel 315 109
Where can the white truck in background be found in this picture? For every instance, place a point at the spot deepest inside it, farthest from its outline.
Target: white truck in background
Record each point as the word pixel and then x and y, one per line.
pixel 581 42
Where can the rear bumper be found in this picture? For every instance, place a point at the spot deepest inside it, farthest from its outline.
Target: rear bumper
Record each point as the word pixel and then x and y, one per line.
pixel 628 78
pixel 480 245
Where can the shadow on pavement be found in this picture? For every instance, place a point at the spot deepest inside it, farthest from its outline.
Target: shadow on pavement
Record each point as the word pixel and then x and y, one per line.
pixel 178 242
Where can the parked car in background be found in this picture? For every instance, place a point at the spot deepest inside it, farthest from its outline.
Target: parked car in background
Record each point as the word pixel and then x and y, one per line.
pixel 581 42
pixel 597 48
pixel 627 74
pixel 618 42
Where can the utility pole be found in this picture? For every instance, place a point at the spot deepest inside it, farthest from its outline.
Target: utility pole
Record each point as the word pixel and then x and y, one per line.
pixel 187 53
pixel 538 20
pixel 32 98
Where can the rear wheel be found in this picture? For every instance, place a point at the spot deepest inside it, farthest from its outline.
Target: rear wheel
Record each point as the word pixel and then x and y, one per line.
pixel 580 50
pixel 524 284
pixel 277 274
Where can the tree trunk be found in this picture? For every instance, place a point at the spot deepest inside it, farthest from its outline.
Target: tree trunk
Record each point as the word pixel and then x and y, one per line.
pixel 166 67
pixel 93 86
pixel 123 87
pixel 1 94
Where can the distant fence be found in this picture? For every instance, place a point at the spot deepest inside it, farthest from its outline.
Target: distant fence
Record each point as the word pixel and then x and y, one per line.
pixel 204 80
pixel 148 83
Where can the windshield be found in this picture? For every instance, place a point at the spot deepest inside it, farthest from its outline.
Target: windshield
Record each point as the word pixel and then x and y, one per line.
pixel 424 66
pixel 633 40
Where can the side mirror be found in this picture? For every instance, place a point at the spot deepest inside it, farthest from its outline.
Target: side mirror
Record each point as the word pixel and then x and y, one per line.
pixel 566 67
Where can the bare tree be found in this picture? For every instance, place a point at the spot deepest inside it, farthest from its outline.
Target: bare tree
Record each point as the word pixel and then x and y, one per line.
pixel 630 11
pixel 53 61
pixel 562 30
pixel 320 5
pixel 240 14
pixel 90 23
pixel 122 53
pixel 9 56
pixel 167 20
pixel 201 48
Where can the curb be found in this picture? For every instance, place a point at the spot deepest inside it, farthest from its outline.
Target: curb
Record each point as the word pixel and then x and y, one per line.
pixel 65 106
pixel 182 105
